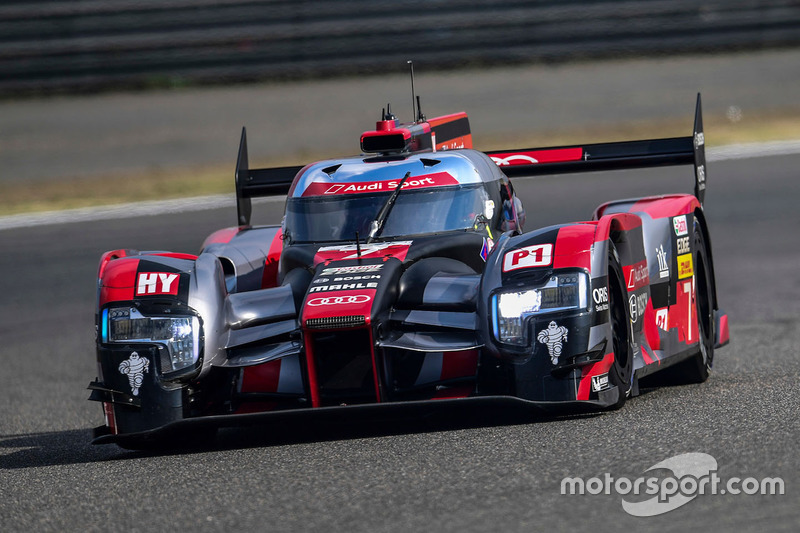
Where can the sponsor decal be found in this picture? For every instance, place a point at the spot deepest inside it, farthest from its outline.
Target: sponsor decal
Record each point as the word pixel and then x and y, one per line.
pixel 701 177
pixel 638 276
pixel 354 269
pixel 156 283
pixel 599 382
pixel 683 245
pixel 538 156
pixel 345 286
pixel 663 264
pixel 699 139
pixel 554 337
pixel 326 188
pixel 662 319
pixel 452 145
pixel 321 280
pixel 374 250
pixel 529 257
pixel 600 297
pixel 636 305
pixel 682 313
pixel 135 368
pixel 685 266
pixel 679 223
pixel 338 300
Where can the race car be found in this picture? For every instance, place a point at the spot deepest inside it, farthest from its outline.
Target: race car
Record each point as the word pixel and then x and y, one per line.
pixel 402 278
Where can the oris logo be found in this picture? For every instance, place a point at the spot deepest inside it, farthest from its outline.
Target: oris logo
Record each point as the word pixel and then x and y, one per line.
pixel 336 300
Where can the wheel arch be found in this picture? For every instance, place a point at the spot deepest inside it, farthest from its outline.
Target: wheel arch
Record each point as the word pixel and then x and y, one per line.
pixel 700 217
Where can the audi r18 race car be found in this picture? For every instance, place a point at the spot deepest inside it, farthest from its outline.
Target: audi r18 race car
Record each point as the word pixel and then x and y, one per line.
pixel 402 276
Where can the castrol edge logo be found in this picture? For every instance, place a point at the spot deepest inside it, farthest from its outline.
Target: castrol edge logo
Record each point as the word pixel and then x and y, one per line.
pixel 539 255
pixel 339 300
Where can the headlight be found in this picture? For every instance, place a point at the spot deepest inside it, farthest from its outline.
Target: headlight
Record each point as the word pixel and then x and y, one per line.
pixel 562 292
pixel 179 334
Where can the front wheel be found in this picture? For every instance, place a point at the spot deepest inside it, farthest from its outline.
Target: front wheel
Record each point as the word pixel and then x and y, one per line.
pixel 621 371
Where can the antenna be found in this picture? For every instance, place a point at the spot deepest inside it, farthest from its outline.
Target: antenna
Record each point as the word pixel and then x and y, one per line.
pixel 413 94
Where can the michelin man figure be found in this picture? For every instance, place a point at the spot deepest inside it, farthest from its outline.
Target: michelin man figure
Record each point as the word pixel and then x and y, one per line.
pixel 135 367
pixel 553 337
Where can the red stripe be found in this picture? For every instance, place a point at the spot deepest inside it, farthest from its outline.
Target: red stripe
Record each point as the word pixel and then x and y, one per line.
pixel 118 280
pixel 724 333
pixel 223 236
pixel 616 222
pixel 108 257
pixel 600 367
pixel 574 246
pixel 111 420
pixel 368 251
pixel 459 364
pixel 375 378
pixel 270 276
pixel 651 329
pixel 668 206
pixel 438 121
pixel 533 157
pixel 313 385
pixel 261 378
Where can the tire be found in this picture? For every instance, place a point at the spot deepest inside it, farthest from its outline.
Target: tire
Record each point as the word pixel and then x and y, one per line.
pixel 621 372
pixel 697 368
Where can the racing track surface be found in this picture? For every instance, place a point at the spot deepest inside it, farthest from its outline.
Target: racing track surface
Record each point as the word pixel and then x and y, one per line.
pixel 493 473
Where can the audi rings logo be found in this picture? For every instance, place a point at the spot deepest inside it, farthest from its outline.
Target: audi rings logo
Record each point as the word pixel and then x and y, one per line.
pixel 336 300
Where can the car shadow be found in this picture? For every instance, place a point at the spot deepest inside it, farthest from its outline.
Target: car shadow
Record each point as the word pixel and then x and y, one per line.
pixel 35 450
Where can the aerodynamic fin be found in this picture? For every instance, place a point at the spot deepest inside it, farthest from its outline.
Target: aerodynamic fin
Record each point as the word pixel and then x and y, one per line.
pixel 258 182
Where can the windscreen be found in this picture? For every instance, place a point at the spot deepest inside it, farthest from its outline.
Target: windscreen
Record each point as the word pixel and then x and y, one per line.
pixel 415 212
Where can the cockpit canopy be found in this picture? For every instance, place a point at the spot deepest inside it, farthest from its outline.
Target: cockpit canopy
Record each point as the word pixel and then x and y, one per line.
pixel 445 191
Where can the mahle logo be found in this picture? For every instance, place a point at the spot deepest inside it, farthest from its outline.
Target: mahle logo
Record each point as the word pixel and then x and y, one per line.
pixel 693 474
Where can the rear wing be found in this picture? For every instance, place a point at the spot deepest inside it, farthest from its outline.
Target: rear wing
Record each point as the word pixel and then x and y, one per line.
pixel 612 156
pixel 523 162
pixel 258 182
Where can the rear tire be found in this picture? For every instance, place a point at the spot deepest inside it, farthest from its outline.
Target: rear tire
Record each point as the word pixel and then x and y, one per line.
pixel 696 369
pixel 621 371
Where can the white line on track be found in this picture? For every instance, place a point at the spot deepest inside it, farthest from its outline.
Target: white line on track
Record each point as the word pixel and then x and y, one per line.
pixel 202 203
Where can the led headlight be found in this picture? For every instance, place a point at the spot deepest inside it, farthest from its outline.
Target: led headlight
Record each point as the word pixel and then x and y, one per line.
pixel 562 292
pixel 180 335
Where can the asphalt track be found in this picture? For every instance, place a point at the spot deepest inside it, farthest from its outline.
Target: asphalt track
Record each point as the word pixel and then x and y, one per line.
pixel 487 472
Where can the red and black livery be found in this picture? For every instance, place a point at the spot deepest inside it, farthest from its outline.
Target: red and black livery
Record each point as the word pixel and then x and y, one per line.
pixel 402 276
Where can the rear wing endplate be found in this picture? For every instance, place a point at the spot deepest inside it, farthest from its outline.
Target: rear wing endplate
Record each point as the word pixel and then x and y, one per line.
pixel 612 156
pixel 258 182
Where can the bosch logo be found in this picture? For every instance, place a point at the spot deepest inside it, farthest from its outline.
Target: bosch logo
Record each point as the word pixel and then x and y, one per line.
pixel 336 300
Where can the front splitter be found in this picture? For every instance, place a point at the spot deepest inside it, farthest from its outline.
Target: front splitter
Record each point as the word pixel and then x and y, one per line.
pixel 412 410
